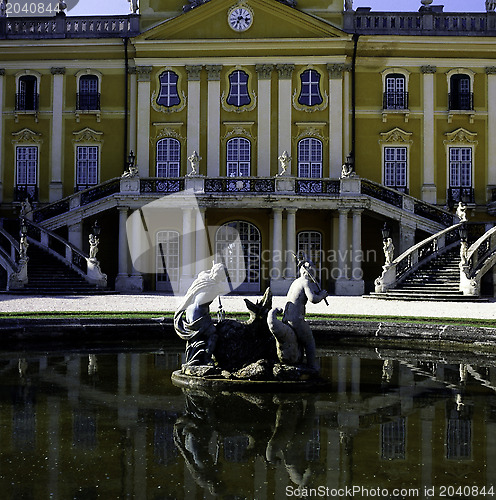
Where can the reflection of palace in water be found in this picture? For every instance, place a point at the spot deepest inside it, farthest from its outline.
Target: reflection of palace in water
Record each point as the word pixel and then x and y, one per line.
pixel 112 426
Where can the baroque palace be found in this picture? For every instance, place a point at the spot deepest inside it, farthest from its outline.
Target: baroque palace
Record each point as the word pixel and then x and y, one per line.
pixel 304 127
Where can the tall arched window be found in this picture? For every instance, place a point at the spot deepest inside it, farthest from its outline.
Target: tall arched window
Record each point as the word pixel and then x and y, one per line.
pixel 238 157
pixel 27 96
pixel 460 96
pixel 395 94
pixel 168 157
pixel 242 260
pixel 167 265
pixel 88 97
pixel 310 158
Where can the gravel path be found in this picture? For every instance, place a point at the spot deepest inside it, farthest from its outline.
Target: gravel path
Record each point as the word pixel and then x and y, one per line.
pixel 156 303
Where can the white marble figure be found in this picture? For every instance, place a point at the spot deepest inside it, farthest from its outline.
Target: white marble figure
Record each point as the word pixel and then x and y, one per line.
pixel 348 4
pixel 3 8
pixel 94 240
pixel 463 253
pixel 133 6
pixel 26 209
pixel 347 171
pixel 293 331
pixel 285 163
pixel 461 212
pixel 23 247
pixel 194 161
pixel 388 248
pixel 490 5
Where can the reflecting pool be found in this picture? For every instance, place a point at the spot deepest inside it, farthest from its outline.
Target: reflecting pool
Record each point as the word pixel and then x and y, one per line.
pixel 108 424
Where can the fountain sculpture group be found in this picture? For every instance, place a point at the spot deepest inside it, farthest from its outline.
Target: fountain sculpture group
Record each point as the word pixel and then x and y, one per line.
pixel 264 348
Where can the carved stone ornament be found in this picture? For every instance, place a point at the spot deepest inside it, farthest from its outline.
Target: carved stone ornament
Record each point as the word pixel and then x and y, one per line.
pixel 264 71
pixel 239 131
pixel 396 135
pixel 428 69
pixel 311 129
pixel 168 131
pixel 310 109
pixel 285 71
pixel 87 135
pixel 171 109
pixel 144 73
pixel 213 71
pixel 336 70
pixel 240 109
pixel 460 136
pixel 26 136
pixel 490 70
pixel 57 71
pixel 194 73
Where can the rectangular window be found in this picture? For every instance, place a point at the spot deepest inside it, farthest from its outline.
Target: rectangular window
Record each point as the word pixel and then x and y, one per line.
pixel 460 167
pixel 86 166
pixel 395 96
pixel 395 167
pixel 26 165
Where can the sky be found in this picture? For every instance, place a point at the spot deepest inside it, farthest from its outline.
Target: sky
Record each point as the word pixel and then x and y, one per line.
pixel 107 7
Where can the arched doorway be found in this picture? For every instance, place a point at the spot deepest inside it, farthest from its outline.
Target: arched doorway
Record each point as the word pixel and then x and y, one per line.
pixel 242 261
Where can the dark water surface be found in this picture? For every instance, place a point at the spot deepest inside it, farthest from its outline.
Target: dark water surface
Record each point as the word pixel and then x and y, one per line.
pixel 108 424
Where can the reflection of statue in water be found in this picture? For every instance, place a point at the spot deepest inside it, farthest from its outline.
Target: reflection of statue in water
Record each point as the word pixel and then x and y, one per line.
pixel 293 334
pixel 192 320
pixel 388 248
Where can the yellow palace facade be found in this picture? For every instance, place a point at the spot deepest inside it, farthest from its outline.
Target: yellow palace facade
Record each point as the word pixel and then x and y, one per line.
pixel 305 126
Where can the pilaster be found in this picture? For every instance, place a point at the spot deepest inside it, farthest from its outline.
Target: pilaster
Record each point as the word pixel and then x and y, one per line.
pixel 285 107
pixel 133 106
pixel 193 129
pixel 2 99
pixel 264 72
pixel 277 284
pixel 56 153
pixel 491 125
pixel 213 119
pixel 429 192
pixel 335 119
pixel 143 121
pixel 342 280
pixel 186 278
pixel 358 287
pixel 290 273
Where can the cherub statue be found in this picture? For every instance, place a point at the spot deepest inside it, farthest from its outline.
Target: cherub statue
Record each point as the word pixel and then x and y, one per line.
pixel 26 209
pixel 293 331
pixel 94 240
pixel 388 248
pixel 285 163
pixel 194 161
pixel 461 211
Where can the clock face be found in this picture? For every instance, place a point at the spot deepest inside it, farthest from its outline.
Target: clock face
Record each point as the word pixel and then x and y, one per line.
pixel 240 19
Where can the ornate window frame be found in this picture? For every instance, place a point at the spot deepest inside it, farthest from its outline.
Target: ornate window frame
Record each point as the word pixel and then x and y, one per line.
pixel 460 138
pixel 18 76
pixel 244 130
pixel 251 92
pixel 96 112
pixel 27 138
pixel 179 87
pixel 166 138
pixel 469 112
pixel 402 111
pixel 323 92
pixel 87 137
pixel 395 138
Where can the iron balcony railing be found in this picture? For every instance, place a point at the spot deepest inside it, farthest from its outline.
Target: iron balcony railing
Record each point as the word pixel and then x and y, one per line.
pixel 395 100
pixel 88 101
pixel 27 102
pixel 461 101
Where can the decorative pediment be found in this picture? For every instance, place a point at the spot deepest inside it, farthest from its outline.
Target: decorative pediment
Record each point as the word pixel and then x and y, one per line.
pixel 238 129
pixel 460 136
pixel 271 19
pixel 167 129
pixel 311 129
pixel 26 136
pixel 87 135
pixel 397 136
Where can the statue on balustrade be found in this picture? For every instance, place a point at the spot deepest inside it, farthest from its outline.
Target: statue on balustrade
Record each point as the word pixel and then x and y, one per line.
pixel 461 211
pixel 388 248
pixel 94 241
pixel 261 348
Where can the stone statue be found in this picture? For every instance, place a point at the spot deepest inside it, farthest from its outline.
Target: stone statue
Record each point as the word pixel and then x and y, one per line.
pixel 26 209
pixel 94 241
pixel 388 248
pixel 490 5
pixel 461 211
pixel 463 253
pixel 285 163
pixel 194 161
pixel 192 320
pixel 293 334
pixel 348 4
pixel 23 247
pixel 133 6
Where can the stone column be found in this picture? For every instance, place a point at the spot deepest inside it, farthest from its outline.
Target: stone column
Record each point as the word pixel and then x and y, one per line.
pixel 56 153
pixel 186 277
pixel 264 124
pixel 357 273
pixel 335 119
pixel 122 258
pixel 491 129
pixel 133 90
pixel 290 244
pixel 193 127
pixel 429 192
pixel 342 281
pixel 346 112
pixel 201 261
pixel 75 235
pixel 136 279
pixel 143 121
pixel 213 121
pixel 285 108
pixel 276 283
pixel 2 98
pixel 407 237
